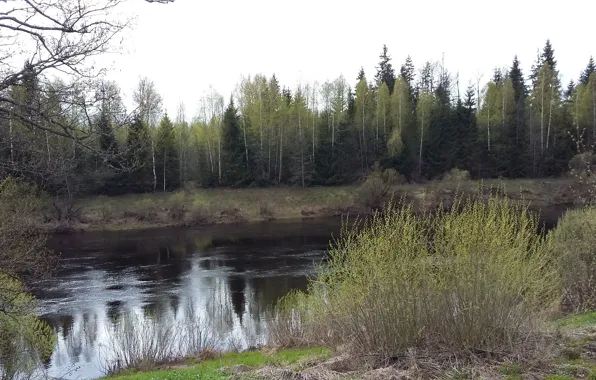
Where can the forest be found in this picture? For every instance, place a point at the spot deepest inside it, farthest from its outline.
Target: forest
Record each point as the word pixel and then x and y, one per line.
pixel 415 120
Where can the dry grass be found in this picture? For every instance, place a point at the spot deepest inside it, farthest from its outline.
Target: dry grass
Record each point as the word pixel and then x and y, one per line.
pixel 193 207
pixel 213 206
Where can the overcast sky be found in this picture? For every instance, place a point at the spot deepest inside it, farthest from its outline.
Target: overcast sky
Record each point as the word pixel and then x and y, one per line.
pixel 188 45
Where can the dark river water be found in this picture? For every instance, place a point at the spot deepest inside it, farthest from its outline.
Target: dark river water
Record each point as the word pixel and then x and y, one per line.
pixel 227 276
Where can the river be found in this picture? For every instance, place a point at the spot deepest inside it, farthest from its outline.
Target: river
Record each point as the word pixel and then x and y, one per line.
pixel 229 275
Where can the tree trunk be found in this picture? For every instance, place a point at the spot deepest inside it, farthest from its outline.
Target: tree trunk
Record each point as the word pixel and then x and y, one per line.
pixel 301 148
pixel 11 142
pixel 245 142
pixel 488 126
pixel 332 134
pixel 542 118
pixel 153 161
pixel 281 151
pixel 261 120
pixel 364 150
pixel 550 114
pixel 219 153
pixel 210 154
pixel 48 147
pixel 420 150
pixel 164 170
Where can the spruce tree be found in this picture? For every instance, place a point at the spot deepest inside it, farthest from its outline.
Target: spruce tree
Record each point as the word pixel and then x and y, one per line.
pixel 166 156
pixel 233 155
pixel 361 74
pixel 385 71
pixel 585 75
pixel 518 133
pixel 407 71
pixel 107 140
pixel 137 154
pixel 548 56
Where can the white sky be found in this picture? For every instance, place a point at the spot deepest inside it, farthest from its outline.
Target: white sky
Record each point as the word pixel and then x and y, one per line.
pixel 188 45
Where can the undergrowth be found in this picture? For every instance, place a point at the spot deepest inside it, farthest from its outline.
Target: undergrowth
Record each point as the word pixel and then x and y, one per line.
pixel 476 280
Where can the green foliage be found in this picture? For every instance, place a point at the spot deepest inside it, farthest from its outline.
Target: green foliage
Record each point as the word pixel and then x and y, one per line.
pixel 478 278
pixel 166 156
pixel 312 134
pixel 25 341
pixel 385 72
pixel 510 369
pixel 457 175
pixel 234 161
pixel 216 369
pixel 138 152
pixel 578 321
pixel 376 191
pixel 574 243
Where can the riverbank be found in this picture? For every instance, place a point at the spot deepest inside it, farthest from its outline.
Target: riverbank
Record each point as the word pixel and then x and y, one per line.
pixel 191 208
pixel 569 352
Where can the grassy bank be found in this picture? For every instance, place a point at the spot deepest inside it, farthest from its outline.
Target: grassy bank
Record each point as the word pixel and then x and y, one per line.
pixel 228 365
pixel 569 354
pixel 213 206
pixel 469 293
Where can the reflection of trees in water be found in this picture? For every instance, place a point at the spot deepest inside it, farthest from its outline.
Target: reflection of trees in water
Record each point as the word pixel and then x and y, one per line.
pixel 237 285
pixel 168 280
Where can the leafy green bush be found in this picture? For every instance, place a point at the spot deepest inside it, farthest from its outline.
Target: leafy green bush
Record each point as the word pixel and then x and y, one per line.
pixel 473 280
pixel 376 191
pixel 574 243
pixel 178 206
pixel 456 175
pixel 583 164
pixel 25 341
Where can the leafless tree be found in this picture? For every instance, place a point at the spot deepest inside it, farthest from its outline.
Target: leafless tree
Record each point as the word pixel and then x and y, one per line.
pixel 57 38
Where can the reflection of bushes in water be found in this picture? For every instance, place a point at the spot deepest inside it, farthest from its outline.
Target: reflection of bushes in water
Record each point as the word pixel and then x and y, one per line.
pixel 142 342
pixel 152 337
pixel 473 281
pixel 574 243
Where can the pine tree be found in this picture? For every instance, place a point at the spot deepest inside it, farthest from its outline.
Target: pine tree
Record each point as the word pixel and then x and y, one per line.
pixel 497 76
pixel 107 140
pixel 517 80
pixel 548 56
pixel 407 71
pixel 361 75
pixel 519 131
pixel 167 168
pixel 138 152
pixel 234 158
pixel 585 75
pixel 385 71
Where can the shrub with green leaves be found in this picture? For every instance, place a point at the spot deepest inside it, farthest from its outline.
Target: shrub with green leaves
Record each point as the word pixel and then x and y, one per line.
pixel 376 191
pixel 574 244
pixel 25 341
pixel 473 280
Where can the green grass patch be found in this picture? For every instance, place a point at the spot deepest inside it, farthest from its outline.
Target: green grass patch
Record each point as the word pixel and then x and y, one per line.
pixel 512 369
pixel 216 369
pixel 578 320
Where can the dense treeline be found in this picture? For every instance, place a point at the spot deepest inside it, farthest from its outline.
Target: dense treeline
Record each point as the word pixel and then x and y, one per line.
pixel 415 121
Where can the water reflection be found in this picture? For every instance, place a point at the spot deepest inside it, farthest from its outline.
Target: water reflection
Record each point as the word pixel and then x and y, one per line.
pixel 226 275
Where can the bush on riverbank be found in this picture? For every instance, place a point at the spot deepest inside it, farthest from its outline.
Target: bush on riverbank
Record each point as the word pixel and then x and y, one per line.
pixel 574 243
pixel 477 281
